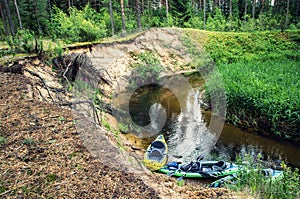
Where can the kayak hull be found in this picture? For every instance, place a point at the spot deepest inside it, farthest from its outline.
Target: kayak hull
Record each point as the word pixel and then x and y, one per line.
pixel 155 156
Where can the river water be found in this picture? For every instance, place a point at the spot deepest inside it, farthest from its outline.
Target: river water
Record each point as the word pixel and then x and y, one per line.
pixel 189 135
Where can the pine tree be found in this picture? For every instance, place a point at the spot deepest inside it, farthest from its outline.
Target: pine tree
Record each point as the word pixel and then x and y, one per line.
pixel 112 23
pixel 18 14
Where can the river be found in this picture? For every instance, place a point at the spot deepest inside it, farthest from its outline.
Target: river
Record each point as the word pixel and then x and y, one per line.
pixel 189 134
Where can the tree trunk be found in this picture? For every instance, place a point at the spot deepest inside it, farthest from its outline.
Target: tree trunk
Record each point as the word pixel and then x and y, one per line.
pixel 246 6
pixel 49 7
pixel 262 2
pixel 36 12
pixel 18 14
pixel 204 14
pixel 298 9
pixel 69 3
pixel 4 20
pixel 11 25
pixel 287 14
pixel 167 11
pixel 112 23
pixel 230 7
pixel 123 19
pixel 200 5
pixel 138 14
pixel 253 8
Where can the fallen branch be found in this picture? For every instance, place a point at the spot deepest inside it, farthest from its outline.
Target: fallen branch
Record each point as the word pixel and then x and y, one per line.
pixel 44 83
pixel 95 115
pixel 5 192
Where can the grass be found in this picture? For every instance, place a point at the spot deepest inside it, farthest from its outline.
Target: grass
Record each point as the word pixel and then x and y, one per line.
pixel 251 180
pixel 3 140
pixel 231 47
pixel 28 141
pixel 266 89
pixel 261 77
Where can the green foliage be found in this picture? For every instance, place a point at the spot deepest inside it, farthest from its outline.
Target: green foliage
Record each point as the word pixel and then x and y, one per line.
pixel 79 25
pixel 106 124
pixel 216 22
pixel 267 89
pixel 28 141
pixel 248 25
pixel 3 140
pixel 123 127
pixel 51 178
pixel 2 31
pixel 2 187
pixel 235 47
pixel 24 41
pixel 194 22
pixel 251 180
pixel 34 15
pixel 148 65
pixel 260 72
pixel 180 183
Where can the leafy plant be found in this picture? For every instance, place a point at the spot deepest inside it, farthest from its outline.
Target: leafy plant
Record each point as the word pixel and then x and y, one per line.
pixel 28 141
pixel 123 127
pixel 23 41
pixel 255 90
pixel 3 140
pixel 251 179
pixel 148 67
pixel 106 124
pixel 79 25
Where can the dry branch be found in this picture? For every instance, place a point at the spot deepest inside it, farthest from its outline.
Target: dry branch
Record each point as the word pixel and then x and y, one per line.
pixel 43 81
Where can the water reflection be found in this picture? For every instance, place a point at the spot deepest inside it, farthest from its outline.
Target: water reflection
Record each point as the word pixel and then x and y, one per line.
pixel 190 136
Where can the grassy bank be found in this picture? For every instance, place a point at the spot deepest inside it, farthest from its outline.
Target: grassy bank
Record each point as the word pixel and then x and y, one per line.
pixel 261 75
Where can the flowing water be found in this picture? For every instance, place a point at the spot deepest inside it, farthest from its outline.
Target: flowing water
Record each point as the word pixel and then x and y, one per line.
pixel 187 131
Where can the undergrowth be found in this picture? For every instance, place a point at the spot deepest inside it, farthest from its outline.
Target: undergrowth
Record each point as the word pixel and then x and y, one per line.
pixel 251 179
pixel 261 77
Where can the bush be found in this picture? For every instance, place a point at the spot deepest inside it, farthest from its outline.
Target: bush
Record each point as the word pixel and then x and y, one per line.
pixel 22 42
pixel 80 25
pixel 252 180
pixel 217 22
pixel 147 67
pixel 194 22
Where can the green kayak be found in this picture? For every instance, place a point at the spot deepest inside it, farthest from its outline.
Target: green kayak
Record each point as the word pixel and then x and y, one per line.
pixel 200 169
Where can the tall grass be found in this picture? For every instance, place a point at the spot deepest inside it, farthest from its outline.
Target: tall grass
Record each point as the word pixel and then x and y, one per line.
pixel 266 91
pixel 261 75
pixel 251 179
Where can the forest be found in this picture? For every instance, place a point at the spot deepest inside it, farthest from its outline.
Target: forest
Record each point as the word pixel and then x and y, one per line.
pixel 90 20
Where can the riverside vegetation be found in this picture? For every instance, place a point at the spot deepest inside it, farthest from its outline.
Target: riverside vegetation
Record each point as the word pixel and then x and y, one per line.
pixel 260 72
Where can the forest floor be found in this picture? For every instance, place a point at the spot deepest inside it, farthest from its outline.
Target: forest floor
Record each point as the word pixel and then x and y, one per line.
pixel 43 156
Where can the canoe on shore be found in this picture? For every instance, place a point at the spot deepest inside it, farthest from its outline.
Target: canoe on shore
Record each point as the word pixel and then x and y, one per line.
pixel 156 156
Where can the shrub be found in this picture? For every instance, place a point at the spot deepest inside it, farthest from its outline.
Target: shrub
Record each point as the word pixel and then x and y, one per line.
pixel 217 22
pixel 23 41
pixel 80 25
pixel 251 179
